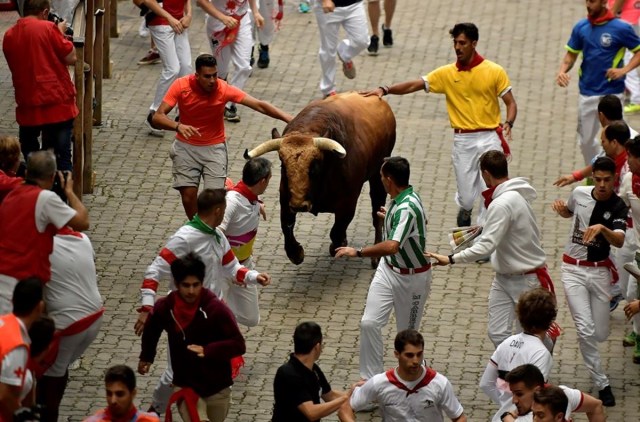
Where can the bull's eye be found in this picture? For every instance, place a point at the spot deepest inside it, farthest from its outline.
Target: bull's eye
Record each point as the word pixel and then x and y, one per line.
pixel 314 168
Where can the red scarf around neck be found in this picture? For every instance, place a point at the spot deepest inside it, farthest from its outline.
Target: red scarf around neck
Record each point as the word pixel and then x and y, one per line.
pixel 475 61
pixel 488 196
pixel 184 312
pixel 602 19
pixel 620 160
pixel 244 190
pixel 430 375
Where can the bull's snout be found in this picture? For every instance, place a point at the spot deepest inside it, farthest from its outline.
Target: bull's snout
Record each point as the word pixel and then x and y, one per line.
pixel 304 206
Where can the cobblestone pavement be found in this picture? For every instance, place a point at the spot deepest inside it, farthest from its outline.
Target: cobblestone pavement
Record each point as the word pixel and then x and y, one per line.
pixel 134 210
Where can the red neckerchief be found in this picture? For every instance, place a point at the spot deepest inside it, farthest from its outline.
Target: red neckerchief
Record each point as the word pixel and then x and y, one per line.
pixel 391 376
pixel 488 196
pixel 126 418
pixel 620 160
pixel 244 190
pixel 68 231
pixel 635 185
pixel 602 19
pixel 476 60
pixel 184 312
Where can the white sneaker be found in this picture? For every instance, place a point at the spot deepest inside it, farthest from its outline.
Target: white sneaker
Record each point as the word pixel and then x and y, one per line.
pixel 143 31
pixel 153 131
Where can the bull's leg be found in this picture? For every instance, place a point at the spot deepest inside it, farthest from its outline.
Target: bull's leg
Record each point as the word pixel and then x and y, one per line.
pixel 295 251
pixel 378 196
pixel 338 233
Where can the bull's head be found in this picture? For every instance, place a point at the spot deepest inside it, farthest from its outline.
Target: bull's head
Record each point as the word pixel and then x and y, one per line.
pixel 301 156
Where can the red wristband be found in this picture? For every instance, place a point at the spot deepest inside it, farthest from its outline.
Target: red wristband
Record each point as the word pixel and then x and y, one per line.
pixel 577 175
pixel 145 308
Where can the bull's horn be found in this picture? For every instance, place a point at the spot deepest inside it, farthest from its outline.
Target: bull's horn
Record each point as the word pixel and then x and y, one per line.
pixel 330 145
pixel 263 148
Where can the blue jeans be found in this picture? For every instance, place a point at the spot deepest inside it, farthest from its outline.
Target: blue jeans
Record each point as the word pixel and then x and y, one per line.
pixel 56 136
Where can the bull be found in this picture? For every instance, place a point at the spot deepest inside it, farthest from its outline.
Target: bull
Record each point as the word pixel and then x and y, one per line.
pixel 328 151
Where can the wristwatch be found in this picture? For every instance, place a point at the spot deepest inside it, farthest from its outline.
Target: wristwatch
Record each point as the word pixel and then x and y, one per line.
pixel 359 252
pixel 510 123
pixel 504 415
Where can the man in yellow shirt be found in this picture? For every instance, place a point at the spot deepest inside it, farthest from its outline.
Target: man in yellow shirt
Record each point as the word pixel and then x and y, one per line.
pixel 472 86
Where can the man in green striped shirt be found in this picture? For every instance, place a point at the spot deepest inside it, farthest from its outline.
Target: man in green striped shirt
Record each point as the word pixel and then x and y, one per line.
pixel 402 280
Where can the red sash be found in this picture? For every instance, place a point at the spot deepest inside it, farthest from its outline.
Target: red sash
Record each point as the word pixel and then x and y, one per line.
pixel 190 399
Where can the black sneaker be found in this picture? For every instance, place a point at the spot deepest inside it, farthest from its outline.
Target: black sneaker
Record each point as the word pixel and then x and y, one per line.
pixel 263 56
pixel 614 302
pixel 231 114
pixel 464 218
pixel 606 396
pixel 373 45
pixel 387 38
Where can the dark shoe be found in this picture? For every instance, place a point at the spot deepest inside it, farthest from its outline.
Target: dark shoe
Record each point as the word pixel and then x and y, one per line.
pixel 263 56
pixel 373 45
pixel 606 396
pixel 152 57
pixel 387 38
pixel 252 60
pixel 231 114
pixel 614 302
pixel 464 218
pixel 630 340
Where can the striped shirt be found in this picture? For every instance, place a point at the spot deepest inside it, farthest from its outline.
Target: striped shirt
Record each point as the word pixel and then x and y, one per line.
pixel 406 223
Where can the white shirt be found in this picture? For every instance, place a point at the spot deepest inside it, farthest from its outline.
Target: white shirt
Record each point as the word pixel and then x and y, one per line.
pixel 519 349
pixel 51 210
pixel 240 224
pixel 633 202
pixel 510 233
pixel 425 405
pixel 72 294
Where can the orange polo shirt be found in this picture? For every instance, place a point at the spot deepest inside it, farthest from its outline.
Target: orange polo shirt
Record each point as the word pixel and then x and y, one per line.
pixel 202 110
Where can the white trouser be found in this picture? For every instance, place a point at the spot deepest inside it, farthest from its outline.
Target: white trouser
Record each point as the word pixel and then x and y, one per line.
pixel 631 293
pixel 238 52
pixel 163 390
pixel 243 301
pixel 589 126
pixel 268 10
pixel 503 297
pixel 175 52
pixel 587 291
pixel 72 347
pixel 354 21
pixel 632 79
pixel 467 149
pixel 625 254
pixel 407 295
pixel 7 285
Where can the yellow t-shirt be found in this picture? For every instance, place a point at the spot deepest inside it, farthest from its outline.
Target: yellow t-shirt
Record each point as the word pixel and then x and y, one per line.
pixel 472 95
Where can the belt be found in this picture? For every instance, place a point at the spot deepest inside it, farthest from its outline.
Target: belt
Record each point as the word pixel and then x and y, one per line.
pixel 473 130
pixel 409 270
pixel 584 263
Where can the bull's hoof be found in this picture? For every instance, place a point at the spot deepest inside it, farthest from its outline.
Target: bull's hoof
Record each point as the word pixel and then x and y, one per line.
pixel 374 262
pixel 296 254
pixel 332 247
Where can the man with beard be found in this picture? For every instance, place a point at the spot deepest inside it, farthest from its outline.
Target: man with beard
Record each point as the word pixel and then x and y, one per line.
pixel 472 86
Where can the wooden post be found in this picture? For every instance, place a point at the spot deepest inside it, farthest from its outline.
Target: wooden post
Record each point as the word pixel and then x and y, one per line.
pixel 98 62
pixel 78 135
pixel 113 18
pixel 90 8
pixel 106 48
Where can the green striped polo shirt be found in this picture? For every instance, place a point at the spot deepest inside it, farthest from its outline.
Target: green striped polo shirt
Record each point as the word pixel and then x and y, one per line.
pixel 406 223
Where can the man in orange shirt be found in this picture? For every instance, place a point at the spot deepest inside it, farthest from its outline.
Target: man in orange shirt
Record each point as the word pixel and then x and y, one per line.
pixel 200 149
pixel 14 344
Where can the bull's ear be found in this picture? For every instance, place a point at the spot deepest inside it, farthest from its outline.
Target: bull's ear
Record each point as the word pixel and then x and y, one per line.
pixel 274 133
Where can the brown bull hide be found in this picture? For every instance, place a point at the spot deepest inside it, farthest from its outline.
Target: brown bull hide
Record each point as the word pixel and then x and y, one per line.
pixel 297 152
